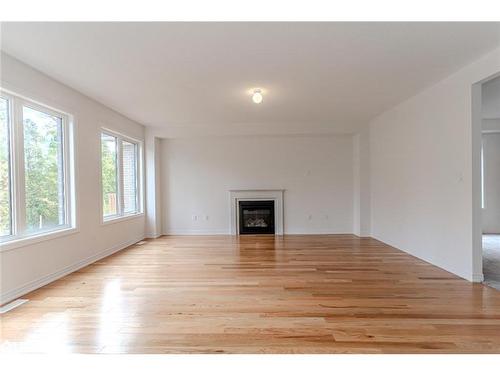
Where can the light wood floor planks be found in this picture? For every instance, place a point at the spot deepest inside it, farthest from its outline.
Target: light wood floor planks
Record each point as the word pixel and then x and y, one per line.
pixel 223 294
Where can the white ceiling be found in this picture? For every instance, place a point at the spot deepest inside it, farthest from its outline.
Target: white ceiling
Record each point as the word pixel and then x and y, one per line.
pixel 193 78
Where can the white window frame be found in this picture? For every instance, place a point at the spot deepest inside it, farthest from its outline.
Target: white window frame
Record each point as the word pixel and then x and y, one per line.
pixel 121 215
pixel 483 202
pixel 20 236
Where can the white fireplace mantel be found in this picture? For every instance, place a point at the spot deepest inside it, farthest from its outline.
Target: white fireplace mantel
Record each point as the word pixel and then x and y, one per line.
pixel 275 195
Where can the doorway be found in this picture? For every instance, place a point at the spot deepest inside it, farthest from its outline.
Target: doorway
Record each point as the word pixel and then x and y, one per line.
pixel 491 207
pixel 490 182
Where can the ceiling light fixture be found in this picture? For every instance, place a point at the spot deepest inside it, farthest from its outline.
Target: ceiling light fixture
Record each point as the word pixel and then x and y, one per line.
pixel 257 96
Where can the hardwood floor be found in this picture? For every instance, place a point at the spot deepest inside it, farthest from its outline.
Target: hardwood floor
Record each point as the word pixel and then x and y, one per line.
pixel 223 294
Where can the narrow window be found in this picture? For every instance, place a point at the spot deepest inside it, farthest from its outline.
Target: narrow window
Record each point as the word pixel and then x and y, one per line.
pixel 129 177
pixel 5 171
pixel 109 175
pixel 120 170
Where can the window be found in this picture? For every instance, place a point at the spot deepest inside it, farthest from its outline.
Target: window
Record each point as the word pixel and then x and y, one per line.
pixel 5 171
pixel 43 170
pixel 35 182
pixel 120 173
pixel 129 177
pixel 109 175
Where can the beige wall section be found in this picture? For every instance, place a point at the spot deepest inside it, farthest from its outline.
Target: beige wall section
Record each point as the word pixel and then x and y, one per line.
pixel 28 267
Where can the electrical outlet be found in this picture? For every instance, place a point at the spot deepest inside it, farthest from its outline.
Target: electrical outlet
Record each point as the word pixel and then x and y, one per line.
pixel 195 217
pixel 310 217
pixel 206 217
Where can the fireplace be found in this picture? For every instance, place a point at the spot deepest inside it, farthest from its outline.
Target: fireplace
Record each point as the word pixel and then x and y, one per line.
pixel 257 196
pixel 256 217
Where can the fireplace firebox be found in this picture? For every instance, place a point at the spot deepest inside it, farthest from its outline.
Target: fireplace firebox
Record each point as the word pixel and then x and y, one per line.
pixel 256 217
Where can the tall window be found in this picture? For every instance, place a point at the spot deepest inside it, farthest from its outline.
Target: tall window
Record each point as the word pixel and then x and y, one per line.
pixel 109 175
pixel 130 196
pixel 35 185
pixel 120 167
pixel 43 170
pixel 5 170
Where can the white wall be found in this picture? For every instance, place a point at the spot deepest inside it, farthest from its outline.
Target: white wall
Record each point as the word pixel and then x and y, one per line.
pixel 421 172
pixel 491 211
pixel 27 267
pixel 153 185
pixel 491 99
pixel 361 167
pixel 317 173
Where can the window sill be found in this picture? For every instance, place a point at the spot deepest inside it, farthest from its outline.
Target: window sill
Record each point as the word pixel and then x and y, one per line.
pixel 118 219
pixel 36 238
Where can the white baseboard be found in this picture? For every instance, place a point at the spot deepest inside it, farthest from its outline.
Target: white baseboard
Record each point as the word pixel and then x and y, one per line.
pixel 12 305
pixel 362 234
pixel 38 283
pixel 460 273
pixel 205 232
pixel 152 235
pixel 316 232
pixel 195 232
pixel 477 278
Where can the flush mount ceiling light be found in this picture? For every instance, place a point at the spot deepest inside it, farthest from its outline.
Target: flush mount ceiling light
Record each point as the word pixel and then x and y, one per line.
pixel 257 96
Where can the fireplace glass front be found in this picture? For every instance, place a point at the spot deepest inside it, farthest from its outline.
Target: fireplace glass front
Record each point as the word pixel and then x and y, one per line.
pixel 256 217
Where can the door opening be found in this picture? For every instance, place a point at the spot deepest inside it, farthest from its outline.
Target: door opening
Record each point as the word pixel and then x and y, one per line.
pixel 490 182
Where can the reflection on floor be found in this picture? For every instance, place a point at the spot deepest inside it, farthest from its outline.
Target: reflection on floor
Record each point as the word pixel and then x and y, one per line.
pixel 491 260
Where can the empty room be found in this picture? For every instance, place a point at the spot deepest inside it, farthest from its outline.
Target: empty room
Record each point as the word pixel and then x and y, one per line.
pixel 250 187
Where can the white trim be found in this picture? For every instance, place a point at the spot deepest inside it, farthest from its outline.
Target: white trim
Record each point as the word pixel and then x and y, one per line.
pixel 320 232
pixel 35 238
pixel 42 104
pixel 12 305
pixel 476 198
pixel 477 278
pixel 208 232
pixel 125 137
pixel 19 168
pixel 363 234
pixel 117 219
pixel 196 232
pixel 38 283
pixel 275 195
pixel 152 235
pixel 12 171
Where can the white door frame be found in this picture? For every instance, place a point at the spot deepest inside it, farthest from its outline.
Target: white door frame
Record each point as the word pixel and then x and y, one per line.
pixel 476 138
